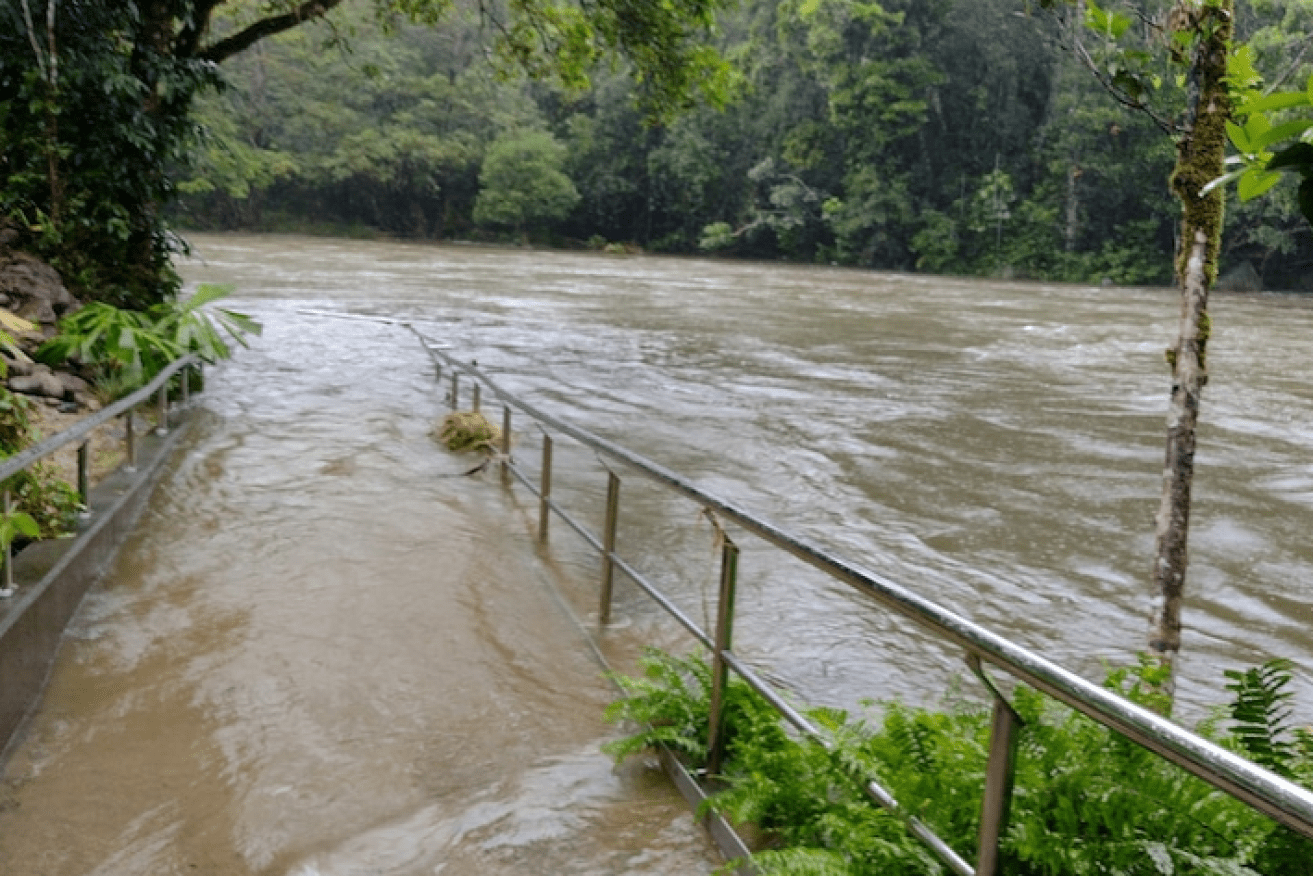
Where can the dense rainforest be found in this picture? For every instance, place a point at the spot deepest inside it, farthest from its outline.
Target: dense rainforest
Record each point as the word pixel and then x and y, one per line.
pixel 947 136
pixel 97 101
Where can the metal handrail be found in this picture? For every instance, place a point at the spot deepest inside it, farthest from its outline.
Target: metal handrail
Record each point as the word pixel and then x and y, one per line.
pixel 78 432
pixel 1274 796
pixel 19 461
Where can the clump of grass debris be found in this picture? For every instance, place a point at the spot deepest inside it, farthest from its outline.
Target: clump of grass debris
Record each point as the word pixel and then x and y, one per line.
pixel 465 431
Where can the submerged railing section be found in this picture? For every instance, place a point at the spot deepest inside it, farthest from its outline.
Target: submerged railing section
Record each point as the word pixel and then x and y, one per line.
pixel 1282 800
pixel 156 392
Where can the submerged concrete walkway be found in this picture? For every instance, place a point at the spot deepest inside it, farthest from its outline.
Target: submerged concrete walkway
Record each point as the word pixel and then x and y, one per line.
pixel 320 654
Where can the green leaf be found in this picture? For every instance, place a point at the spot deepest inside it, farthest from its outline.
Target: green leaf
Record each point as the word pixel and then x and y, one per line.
pixel 1273 102
pixel 26 525
pixel 1239 137
pixel 1108 24
pixel 207 293
pixel 1130 83
pixel 1241 73
pixel 1256 181
pixel 1261 711
pixel 1278 133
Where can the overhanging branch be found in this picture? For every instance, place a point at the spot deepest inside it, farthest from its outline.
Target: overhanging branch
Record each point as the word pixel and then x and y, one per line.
pixel 1291 69
pixel 266 27
pixel 1165 125
pixel 189 38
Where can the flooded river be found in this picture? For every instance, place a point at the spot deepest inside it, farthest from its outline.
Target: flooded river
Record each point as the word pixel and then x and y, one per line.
pixel 272 682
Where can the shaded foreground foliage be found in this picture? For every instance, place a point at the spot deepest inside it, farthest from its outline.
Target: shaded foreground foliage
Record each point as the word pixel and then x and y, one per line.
pixel 1086 801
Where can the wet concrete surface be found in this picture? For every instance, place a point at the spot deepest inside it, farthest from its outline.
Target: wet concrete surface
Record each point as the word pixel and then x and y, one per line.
pixel 323 654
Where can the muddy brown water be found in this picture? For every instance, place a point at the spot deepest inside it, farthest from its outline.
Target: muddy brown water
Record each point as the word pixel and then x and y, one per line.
pixel 322 654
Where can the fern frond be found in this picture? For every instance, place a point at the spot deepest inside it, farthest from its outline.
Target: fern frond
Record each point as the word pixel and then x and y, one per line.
pixel 1260 713
pixel 802 862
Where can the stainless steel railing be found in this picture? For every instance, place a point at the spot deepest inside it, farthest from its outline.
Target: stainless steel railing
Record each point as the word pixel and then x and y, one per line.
pixel 1282 800
pixel 78 432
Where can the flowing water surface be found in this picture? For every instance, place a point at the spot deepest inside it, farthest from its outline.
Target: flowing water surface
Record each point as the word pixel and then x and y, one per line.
pixel 326 654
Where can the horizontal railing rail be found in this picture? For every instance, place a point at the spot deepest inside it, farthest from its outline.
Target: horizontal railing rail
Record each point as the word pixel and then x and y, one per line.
pixel 78 432
pixel 1274 796
pixel 84 427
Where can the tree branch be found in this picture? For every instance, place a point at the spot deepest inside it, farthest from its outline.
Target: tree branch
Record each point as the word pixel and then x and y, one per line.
pixel 1291 69
pixel 265 27
pixel 36 45
pixel 1165 125
pixel 189 38
pixel 50 43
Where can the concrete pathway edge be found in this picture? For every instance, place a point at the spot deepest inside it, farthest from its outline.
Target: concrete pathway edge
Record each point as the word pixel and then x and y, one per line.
pixel 53 576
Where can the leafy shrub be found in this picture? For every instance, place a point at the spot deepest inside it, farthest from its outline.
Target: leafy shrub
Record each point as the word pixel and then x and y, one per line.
pixel 125 349
pixel 1086 802
pixel 49 505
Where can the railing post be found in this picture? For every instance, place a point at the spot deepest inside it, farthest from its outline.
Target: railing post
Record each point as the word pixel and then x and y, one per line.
pixel 729 574
pixel 84 490
pixel 162 428
pixel 455 389
pixel 608 546
pixel 185 374
pixel 131 442
pixel 998 785
pixel 9 551
pixel 478 397
pixel 545 491
pixel 506 443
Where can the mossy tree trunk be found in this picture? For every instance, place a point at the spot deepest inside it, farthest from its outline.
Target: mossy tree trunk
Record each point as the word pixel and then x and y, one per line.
pixel 1200 157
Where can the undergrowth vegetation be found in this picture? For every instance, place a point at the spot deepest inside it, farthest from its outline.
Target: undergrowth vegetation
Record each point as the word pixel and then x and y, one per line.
pixel 1086 802
pixel 121 350
pixel 43 506
pixel 46 506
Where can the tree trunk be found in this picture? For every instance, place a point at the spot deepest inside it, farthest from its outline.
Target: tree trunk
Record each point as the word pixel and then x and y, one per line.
pixel 1178 473
pixel 1072 227
pixel 47 62
pixel 1200 155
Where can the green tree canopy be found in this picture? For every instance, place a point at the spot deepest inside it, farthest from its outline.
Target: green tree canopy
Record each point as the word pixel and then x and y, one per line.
pixel 863 133
pixel 521 183
pixel 96 96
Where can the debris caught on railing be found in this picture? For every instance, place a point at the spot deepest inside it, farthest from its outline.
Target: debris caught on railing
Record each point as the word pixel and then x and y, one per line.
pixel 464 431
